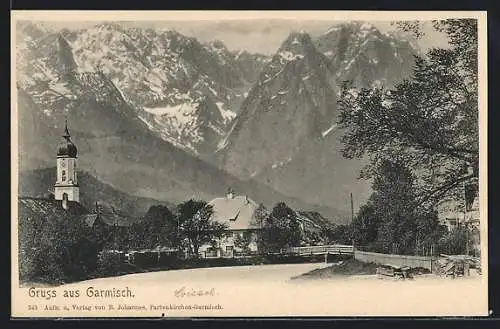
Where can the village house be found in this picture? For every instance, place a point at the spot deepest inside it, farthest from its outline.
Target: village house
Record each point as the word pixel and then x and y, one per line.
pixel 451 214
pixel 238 212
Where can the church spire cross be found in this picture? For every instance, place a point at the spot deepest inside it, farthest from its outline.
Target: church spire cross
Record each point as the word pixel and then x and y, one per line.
pixel 66 131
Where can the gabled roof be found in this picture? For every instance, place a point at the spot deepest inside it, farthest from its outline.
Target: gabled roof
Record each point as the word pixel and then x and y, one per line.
pixel 237 212
pixel 90 219
pixel 50 208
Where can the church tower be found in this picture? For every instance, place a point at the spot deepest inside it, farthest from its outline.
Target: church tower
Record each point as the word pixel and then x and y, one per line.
pixel 66 186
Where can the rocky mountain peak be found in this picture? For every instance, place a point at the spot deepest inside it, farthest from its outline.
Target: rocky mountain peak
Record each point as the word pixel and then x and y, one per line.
pixel 292 102
pixel 361 53
pixel 108 26
pixel 297 40
pixel 295 47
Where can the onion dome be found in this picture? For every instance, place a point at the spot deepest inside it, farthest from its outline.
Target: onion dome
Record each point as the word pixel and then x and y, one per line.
pixel 67 148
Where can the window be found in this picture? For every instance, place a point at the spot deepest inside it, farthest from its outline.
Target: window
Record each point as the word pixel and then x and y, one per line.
pixel 229 249
pixel 64 175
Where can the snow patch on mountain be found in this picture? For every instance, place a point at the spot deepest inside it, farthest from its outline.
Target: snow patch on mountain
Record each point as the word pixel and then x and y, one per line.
pixel 332 29
pixel 213 91
pixel 182 112
pixel 288 56
pixel 228 115
pixel 150 126
pixel 329 130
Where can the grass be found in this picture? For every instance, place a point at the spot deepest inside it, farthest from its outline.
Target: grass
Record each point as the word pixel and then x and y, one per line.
pixel 343 268
pixel 350 267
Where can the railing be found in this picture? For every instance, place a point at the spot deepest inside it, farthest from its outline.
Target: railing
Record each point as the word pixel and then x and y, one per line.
pixel 336 249
pixel 396 260
pixel 319 250
pixel 226 254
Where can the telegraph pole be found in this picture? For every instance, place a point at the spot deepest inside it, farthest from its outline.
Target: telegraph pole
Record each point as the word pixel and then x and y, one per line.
pixel 465 222
pixel 352 221
pixel 352 209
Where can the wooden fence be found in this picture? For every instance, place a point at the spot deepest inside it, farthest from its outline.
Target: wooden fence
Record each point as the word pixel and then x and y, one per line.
pixel 336 249
pixel 426 262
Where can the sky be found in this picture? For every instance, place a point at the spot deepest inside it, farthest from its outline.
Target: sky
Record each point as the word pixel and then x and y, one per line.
pixel 256 36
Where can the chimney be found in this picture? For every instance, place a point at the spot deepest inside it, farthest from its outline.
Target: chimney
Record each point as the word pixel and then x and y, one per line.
pixel 230 193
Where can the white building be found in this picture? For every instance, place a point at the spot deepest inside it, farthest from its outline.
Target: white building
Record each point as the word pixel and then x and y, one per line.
pixel 450 213
pixel 238 212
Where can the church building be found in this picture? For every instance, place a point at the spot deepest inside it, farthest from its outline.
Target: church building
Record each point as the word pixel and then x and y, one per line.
pixel 66 185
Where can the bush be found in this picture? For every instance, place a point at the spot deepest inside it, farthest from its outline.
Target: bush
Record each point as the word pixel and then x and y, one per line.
pixel 454 242
pixel 59 250
pixel 110 263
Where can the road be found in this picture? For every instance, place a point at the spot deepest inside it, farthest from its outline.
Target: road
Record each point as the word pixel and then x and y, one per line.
pixel 267 273
pixel 268 291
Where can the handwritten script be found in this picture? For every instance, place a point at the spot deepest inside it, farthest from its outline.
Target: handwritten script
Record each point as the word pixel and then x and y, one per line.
pixel 191 292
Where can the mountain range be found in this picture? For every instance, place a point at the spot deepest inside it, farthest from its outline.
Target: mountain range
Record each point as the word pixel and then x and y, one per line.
pixel 286 134
pixel 161 115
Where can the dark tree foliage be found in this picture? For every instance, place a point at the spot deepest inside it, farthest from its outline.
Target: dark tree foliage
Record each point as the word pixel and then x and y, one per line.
pixel 157 228
pixel 430 120
pixel 242 241
pixel 342 234
pixel 412 27
pixel 281 229
pixel 259 222
pixel 390 222
pixel 196 226
pixel 454 242
pixel 56 249
pixel 365 226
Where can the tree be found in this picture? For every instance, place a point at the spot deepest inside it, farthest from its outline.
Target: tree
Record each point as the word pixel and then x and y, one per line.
pixel 454 242
pixel 59 248
pixel 159 227
pixel 196 226
pixel 135 234
pixel 281 228
pixel 393 199
pixel 342 234
pixel 428 233
pixel 429 121
pixel 259 222
pixel 365 225
pixel 390 222
pixel 242 241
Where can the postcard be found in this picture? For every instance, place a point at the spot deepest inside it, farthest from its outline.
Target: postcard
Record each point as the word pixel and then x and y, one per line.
pixel 248 164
